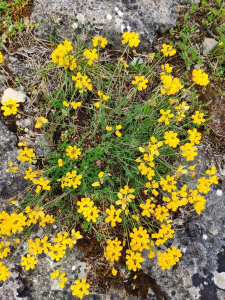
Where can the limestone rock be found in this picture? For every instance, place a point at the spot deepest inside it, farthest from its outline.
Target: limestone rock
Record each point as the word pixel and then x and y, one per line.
pixel 208 45
pixel 10 184
pixel 65 18
pixel 14 95
pixel 219 279
pixel 202 242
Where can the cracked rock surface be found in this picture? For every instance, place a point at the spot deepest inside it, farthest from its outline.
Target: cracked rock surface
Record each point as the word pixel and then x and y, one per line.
pixel 65 18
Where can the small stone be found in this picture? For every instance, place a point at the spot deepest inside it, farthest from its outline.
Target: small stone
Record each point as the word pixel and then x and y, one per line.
pixel 219 280
pixel 14 95
pixel 219 192
pixel 204 237
pixel 109 17
pixel 213 231
pixel 24 123
pixel 74 25
pixel 80 18
pixel 135 59
pixel 208 45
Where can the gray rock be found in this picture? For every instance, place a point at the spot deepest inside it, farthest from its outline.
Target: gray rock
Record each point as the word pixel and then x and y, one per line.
pixel 10 184
pixel 202 242
pixel 60 18
pixel 208 45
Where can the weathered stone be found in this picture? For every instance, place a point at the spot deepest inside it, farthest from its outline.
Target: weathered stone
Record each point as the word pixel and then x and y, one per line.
pixel 10 184
pixel 198 273
pixel 61 18
pixel 14 95
pixel 208 45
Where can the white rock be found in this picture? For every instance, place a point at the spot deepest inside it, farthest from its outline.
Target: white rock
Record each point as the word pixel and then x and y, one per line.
pixel 116 8
pixel 184 250
pixel 80 18
pixel 109 17
pixel 208 45
pixel 120 13
pixel 24 123
pixel 122 28
pixel 140 61
pixel 14 95
pixel 219 192
pixel 219 280
pixel 75 25
pixel 204 236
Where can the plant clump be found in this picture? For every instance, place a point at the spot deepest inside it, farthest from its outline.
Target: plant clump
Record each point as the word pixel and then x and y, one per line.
pixel 122 156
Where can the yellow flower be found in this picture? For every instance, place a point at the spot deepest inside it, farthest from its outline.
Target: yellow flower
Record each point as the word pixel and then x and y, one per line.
pixel 100 175
pixel 141 82
pixel 171 85
pixel 166 116
pixel 72 179
pixel 133 260
pixel 200 77
pixel 102 96
pixel 73 152
pixel 198 118
pixel 125 196
pixel 75 105
pixel 75 236
pixel 60 162
pixel 97 104
pixel 60 278
pixel 131 38
pixel 80 288
pixel 83 83
pixel 30 174
pixel 114 272
pixel 95 184
pixel 171 139
pixel 91 55
pixel 42 184
pixel 11 168
pixel 169 258
pixel 3 249
pixel 99 41
pixel 194 136
pixel 65 103
pixel 28 262
pixel 108 128
pixel 40 122
pixel 118 133
pixel 26 155
pixel 151 56
pixel 211 171
pixel 113 215
pixel 167 68
pixel 1 57
pixel 9 107
pixel 4 272
pixel 168 50
pixel 189 151
pixel 113 250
